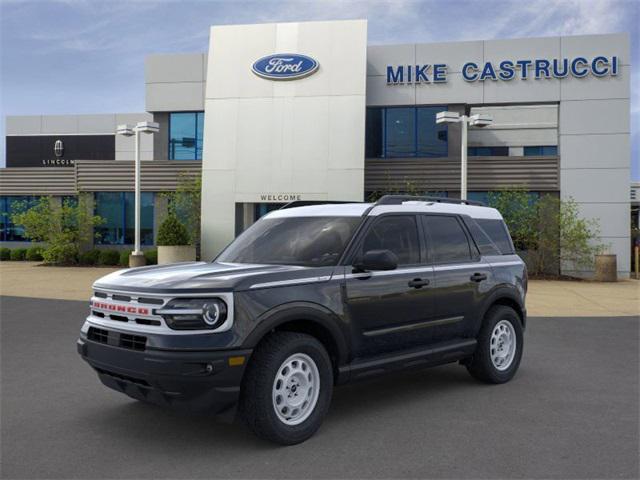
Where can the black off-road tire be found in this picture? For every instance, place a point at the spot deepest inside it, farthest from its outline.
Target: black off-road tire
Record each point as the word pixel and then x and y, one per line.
pixel 256 399
pixel 480 365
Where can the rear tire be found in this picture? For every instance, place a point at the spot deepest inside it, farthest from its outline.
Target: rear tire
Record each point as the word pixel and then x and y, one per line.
pixel 500 344
pixel 287 388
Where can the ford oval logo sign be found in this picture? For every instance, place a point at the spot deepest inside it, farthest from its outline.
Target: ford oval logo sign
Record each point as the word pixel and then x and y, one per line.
pixel 285 66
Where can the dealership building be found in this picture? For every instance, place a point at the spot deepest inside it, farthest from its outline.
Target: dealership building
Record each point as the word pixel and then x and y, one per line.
pixel 309 111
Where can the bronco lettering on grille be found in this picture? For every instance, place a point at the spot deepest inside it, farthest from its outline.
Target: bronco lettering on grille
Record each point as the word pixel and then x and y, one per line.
pixel 119 308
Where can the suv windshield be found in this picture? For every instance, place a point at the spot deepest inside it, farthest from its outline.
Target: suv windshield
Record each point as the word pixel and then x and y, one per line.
pixel 305 241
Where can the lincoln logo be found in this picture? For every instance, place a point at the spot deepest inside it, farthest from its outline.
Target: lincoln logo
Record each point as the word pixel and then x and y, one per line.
pixel 119 308
pixel 285 66
pixel 58 148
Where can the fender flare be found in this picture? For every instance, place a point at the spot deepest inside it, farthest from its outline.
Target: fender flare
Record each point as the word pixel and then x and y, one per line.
pixel 505 292
pixel 302 311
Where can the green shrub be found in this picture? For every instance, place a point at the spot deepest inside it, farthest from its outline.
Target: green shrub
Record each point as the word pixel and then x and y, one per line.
pixel 151 256
pixel 124 258
pixel 61 254
pixel 18 254
pixel 5 254
pixel 90 257
pixel 34 254
pixel 109 257
pixel 172 232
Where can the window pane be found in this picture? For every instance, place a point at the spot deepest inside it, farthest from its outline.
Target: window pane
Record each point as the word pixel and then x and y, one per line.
pixel 373 133
pixel 479 197
pixel 182 136
pixel 448 240
pixel 8 206
pixel 551 150
pixel 109 207
pixel 432 137
pixel 397 234
pixel 400 132
pixel 532 151
pixel 199 134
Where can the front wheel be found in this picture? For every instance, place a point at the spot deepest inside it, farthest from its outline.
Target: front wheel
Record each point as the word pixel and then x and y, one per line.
pixel 500 342
pixel 287 388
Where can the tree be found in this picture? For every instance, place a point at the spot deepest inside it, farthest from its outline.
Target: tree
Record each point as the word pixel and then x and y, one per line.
pixel 184 203
pixel 172 232
pixel 64 227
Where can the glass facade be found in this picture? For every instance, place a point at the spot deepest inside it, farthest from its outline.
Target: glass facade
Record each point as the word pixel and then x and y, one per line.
pixel 484 197
pixel 8 206
pixel 541 151
pixel 185 135
pixel 405 132
pixel 117 209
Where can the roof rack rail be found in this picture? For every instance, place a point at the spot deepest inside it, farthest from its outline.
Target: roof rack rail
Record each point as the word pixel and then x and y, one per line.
pixel 399 199
pixel 306 203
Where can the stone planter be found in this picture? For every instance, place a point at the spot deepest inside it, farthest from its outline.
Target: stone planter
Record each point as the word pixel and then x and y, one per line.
pixel 176 253
pixel 606 268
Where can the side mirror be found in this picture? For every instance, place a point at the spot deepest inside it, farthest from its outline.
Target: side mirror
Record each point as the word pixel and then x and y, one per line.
pixel 377 260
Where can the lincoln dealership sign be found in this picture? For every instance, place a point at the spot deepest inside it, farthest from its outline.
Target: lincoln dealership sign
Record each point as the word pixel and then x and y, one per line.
pixel 505 70
pixel 285 66
pixel 58 150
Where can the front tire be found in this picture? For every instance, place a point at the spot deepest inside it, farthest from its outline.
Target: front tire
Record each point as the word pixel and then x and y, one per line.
pixel 287 388
pixel 500 343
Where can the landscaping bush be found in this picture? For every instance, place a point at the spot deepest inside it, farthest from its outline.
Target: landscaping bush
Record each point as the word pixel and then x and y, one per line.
pixel 18 254
pixel 109 257
pixel 151 256
pixel 61 254
pixel 124 258
pixel 5 253
pixel 63 227
pixel 34 254
pixel 172 232
pixel 90 257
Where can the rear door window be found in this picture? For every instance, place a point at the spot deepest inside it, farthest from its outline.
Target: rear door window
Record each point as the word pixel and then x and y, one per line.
pixel 447 238
pixel 498 233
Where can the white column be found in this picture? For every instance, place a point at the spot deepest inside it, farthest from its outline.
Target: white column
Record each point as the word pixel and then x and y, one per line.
pixel 136 250
pixel 463 157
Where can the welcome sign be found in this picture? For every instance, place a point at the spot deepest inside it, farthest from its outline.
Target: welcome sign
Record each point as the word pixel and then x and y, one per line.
pixel 506 70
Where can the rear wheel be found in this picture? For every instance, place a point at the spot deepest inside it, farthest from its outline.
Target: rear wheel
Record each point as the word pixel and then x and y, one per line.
pixel 499 349
pixel 287 388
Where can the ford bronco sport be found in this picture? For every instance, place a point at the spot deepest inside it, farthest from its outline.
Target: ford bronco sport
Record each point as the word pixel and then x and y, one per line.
pixel 310 297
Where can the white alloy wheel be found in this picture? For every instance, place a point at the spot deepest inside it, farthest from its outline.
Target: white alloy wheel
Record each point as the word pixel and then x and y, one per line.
pixel 296 389
pixel 503 345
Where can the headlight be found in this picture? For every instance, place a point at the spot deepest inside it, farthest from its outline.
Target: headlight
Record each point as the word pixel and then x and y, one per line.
pixel 194 313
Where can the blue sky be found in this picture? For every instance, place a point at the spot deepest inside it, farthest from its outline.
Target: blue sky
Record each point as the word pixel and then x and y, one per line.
pixel 87 56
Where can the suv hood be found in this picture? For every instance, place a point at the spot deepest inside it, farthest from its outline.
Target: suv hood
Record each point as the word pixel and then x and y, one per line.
pixel 193 277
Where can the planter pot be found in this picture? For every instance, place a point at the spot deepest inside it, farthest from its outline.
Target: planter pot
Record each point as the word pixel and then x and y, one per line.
pixel 176 253
pixel 606 268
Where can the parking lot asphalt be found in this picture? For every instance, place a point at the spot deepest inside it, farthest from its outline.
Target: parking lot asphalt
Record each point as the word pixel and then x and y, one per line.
pixel 572 411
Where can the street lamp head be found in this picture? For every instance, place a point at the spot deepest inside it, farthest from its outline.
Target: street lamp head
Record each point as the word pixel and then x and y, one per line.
pixel 148 127
pixel 124 129
pixel 447 117
pixel 480 120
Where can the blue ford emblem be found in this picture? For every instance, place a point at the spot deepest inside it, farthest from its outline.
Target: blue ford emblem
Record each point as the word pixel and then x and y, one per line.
pixel 284 66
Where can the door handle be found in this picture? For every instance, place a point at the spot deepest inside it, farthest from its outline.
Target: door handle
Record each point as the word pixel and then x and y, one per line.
pixel 478 277
pixel 418 282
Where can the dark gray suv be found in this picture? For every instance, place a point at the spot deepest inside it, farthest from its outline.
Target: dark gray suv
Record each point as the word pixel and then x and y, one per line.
pixel 310 297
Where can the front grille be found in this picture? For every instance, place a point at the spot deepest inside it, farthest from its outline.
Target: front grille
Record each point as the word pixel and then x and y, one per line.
pixel 122 340
pixel 133 342
pixel 98 335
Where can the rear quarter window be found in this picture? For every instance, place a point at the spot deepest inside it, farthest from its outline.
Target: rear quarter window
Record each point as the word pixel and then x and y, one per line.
pixel 497 231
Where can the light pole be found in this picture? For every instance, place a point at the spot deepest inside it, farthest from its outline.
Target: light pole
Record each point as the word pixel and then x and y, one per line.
pixel 477 120
pixel 136 259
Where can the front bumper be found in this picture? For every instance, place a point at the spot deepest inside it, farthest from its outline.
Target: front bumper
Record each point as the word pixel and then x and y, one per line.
pixel 189 380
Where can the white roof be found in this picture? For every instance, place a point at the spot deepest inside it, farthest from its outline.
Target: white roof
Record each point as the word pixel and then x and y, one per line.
pixel 357 209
